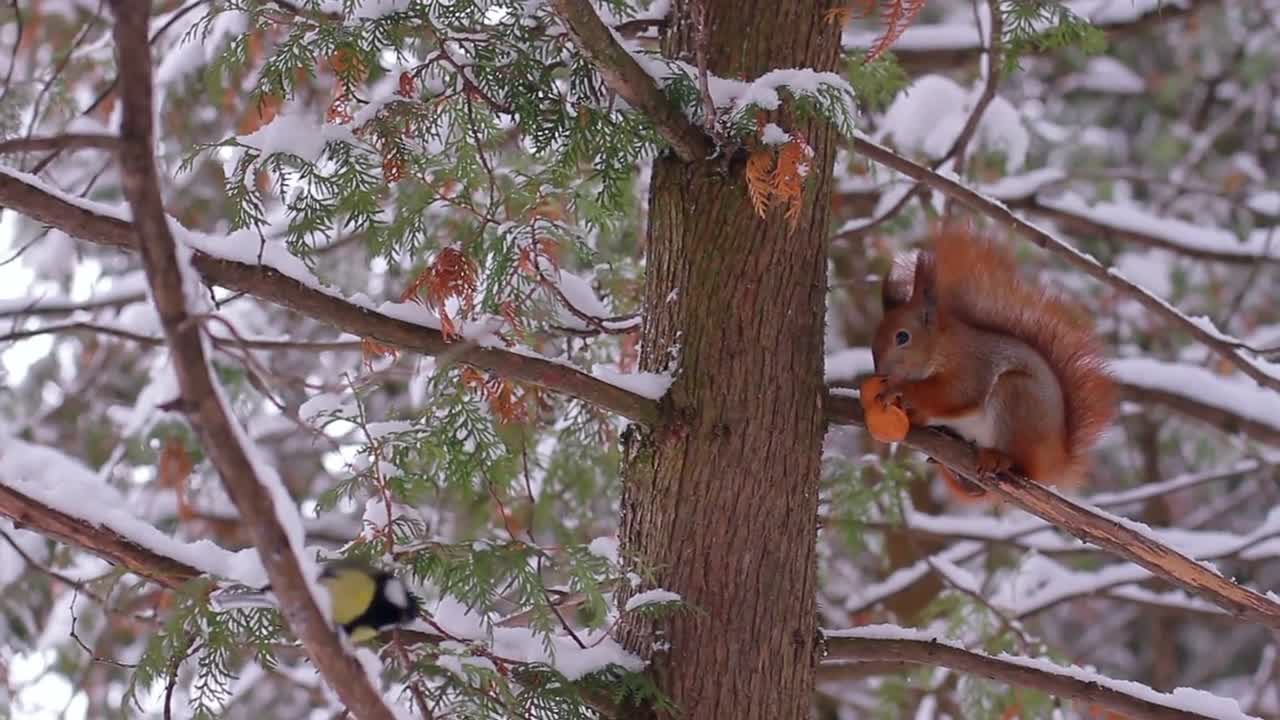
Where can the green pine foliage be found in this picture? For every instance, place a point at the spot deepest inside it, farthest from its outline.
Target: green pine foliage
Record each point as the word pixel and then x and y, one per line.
pixel 472 125
pixel 1042 25
pixel 876 82
pixel 475 126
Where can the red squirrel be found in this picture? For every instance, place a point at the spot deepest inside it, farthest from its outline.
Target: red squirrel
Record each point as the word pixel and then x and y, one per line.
pixel 967 344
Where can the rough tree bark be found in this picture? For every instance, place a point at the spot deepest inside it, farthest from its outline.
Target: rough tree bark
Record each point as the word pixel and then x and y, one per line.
pixel 721 495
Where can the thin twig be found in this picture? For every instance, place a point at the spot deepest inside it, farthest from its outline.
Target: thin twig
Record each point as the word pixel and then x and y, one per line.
pixel 13 53
pixel 92 655
pixel 957 149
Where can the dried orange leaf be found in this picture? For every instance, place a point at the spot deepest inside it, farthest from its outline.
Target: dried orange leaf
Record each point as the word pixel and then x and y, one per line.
pixel 372 349
pixel 897 16
pixel 759 166
pixel 406 85
pixel 788 178
pixel 175 464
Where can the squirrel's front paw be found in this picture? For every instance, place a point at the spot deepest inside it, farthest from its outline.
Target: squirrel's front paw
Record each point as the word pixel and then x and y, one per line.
pixel 992 462
pixel 886 421
pixel 890 393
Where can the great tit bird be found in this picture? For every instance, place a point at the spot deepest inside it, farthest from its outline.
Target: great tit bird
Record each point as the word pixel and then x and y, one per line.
pixel 364 599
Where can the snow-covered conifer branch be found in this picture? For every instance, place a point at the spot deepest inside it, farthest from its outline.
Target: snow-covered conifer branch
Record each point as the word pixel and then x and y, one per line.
pixel 624 76
pixel 105 542
pixel 258 498
pixel 97 224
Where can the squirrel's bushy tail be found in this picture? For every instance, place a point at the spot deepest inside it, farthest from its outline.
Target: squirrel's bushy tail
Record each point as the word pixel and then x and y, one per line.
pixel 980 282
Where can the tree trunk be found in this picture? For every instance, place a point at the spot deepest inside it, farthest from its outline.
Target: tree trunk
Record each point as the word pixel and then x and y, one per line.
pixel 721 496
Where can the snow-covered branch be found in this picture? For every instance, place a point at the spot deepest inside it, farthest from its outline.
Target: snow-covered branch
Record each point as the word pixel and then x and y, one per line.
pixel 1121 537
pixel 249 343
pixel 624 76
pixel 1229 404
pixel 280 284
pixel 1115 221
pixel 886 643
pixel 30 307
pixel 258 493
pixel 1027 193
pixel 61 510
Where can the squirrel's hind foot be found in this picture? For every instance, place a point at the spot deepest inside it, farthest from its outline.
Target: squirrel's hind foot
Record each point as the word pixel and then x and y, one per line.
pixel 993 462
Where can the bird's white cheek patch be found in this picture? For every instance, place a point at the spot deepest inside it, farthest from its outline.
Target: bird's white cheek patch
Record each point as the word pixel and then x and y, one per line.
pixel 396 594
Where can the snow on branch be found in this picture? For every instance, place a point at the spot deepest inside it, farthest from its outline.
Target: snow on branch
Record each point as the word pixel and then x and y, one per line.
pixel 1035 534
pixel 970 536
pixel 268 511
pixel 47 492
pixel 1230 404
pixel 929 47
pixel 1123 538
pixel 282 279
pixel 1133 224
pixel 624 76
pixel 880 643
pixel 1200 328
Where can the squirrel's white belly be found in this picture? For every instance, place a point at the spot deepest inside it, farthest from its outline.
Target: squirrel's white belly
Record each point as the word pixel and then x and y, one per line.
pixel 977 427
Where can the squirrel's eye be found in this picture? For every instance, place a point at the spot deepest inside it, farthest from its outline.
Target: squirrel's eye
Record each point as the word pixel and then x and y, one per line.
pixel 902 338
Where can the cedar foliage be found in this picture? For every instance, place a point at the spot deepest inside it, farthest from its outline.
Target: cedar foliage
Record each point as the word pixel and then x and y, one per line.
pixel 472 153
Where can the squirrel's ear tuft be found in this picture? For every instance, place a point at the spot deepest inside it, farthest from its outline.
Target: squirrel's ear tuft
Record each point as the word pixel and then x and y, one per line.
pixel 896 288
pixel 925 288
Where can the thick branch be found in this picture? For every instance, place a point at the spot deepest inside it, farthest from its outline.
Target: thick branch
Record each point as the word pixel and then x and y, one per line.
pixel 1008 671
pixel 265 283
pixel 1085 263
pixel 70 141
pixel 1089 526
pixel 624 76
pixel 201 399
pixel 105 543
